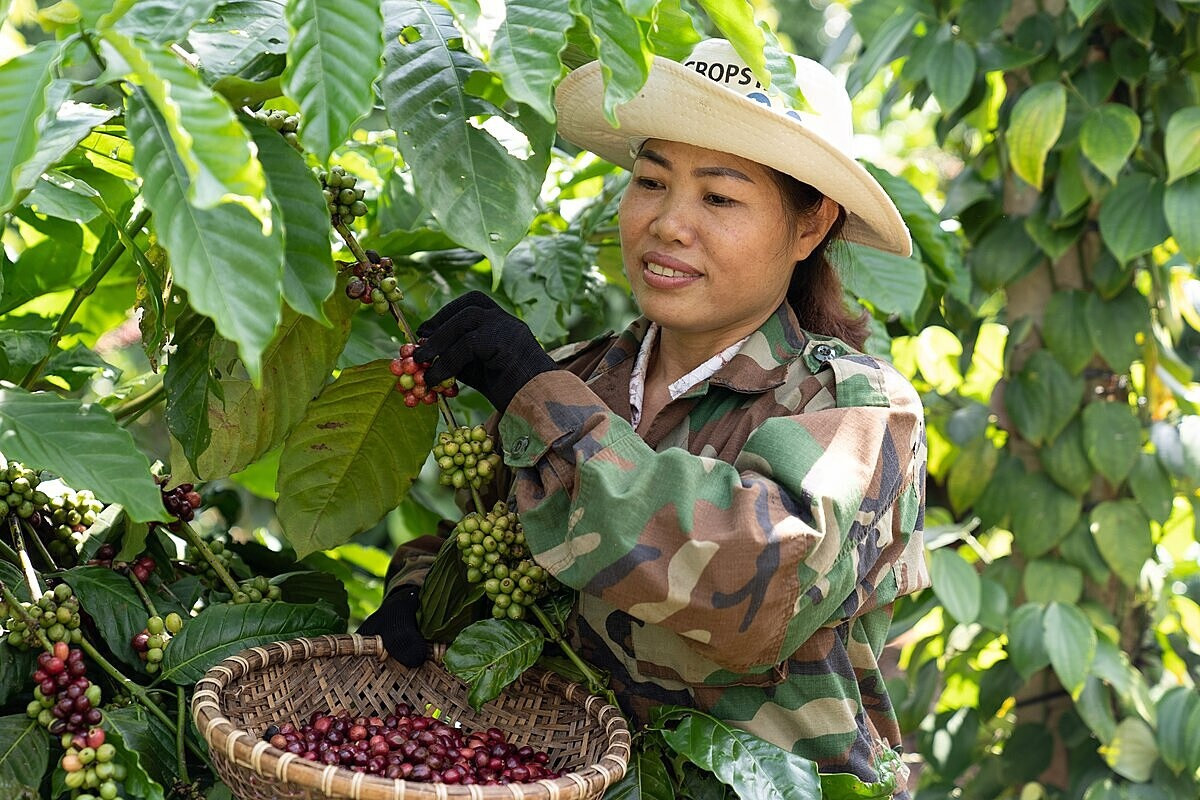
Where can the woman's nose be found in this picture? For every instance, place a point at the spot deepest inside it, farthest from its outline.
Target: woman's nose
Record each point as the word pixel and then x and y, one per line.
pixel 673 221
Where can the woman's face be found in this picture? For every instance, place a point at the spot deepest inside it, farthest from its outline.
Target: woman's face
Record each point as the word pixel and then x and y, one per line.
pixel 705 241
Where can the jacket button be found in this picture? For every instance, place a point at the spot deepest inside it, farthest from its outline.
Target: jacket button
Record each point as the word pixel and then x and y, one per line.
pixel 823 353
pixel 519 447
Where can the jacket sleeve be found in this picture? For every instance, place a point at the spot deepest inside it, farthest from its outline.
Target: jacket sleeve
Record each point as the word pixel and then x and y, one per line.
pixel 745 560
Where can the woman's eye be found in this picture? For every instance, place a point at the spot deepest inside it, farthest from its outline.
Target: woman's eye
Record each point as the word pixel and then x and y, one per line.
pixel 718 200
pixel 647 183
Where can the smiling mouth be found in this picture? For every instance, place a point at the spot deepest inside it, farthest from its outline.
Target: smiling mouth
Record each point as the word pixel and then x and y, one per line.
pixel 667 272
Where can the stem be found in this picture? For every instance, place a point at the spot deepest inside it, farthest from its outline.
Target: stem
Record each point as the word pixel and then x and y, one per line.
pixel 195 541
pixel 132 408
pixel 14 603
pixel 41 547
pixel 141 590
pixel 180 739
pixel 35 588
pixel 593 680
pixel 8 553
pixel 81 294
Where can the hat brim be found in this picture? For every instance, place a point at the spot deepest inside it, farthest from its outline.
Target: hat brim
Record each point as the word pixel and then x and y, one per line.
pixel 678 104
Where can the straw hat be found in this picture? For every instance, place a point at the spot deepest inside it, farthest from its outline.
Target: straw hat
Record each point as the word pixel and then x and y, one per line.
pixel 712 100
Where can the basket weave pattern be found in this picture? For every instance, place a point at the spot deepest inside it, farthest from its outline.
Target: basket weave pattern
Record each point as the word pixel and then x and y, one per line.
pixel 287 681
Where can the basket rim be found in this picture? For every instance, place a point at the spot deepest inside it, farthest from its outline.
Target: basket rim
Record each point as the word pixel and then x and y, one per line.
pixel 244 750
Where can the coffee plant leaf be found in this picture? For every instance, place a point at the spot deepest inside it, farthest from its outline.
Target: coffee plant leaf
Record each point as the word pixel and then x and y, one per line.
pixel 1108 136
pixel 15 668
pixel 220 631
pixel 492 653
pixel 333 60
pixel 1026 640
pixel 311 586
pixel 1065 331
pixel 148 738
pixel 23 83
pixel 526 51
pixel 81 443
pixel 939 249
pixel 138 782
pixel 249 422
pixel 645 778
pixel 351 458
pixel 482 196
pixel 891 283
pixel 211 249
pixel 24 751
pixel 1114 326
pixel 448 602
pixel 1070 641
pixel 308 271
pixel 1123 537
pixel 113 604
pixel 14 579
pixel 163 21
pixel 1181 204
pixel 751 766
pixel 187 385
pixel 1112 439
pixel 1132 221
pixel 1178 729
pixel 1132 751
pixel 1034 127
pixel 956 583
pixel 246 32
pixel 846 786
pixel 66 124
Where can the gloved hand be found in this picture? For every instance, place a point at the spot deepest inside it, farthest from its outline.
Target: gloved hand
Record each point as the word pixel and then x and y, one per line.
pixel 474 340
pixel 396 621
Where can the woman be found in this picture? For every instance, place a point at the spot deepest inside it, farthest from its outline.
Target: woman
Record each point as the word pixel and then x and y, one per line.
pixel 733 488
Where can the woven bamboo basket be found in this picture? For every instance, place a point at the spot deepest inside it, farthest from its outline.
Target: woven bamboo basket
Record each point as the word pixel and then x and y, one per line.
pixel 287 681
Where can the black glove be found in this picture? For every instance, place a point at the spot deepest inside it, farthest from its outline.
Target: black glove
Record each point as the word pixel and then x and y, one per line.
pixel 396 621
pixel 474 340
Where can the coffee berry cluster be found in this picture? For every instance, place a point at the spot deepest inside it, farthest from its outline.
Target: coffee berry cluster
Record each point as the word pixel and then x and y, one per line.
pixel 412 747
pixel 60 521
pixel 492 546
pixel 466 457
pixel 410 379
pixel 19 490
pixel 180 502
pixel 89 764
pixel 151 643
pixel 56 614
pixel 373 283
pixel 140 568
pixel 343 197
pixel 64 700
pixel 257 590
pixel 208 575
pixel 280 120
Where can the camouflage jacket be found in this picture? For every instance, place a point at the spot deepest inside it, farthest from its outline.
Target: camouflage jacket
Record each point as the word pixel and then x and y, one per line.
pixel 742 558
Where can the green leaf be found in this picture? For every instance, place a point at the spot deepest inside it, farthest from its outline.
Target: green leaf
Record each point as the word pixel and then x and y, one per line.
pixel 950 72
pixel 1046 581
pixel 23 83
pixel 1065 460
pixel 956 583
pixel 163 21
pixel 1151 486
pixel 331 486
pixel 208 246
pixel 1182 145
pixel 1178 729
pixel 64 126
pixel 971 472
pixel 645 778
pixel 1108 136
pixel 1181 207
pixel 891 283
pixel 884 45
pixel 1122 535
pixel 1065 331
pixel 207 143
pixel 138 781
pixel 481 195
pixel 1042 514
pixel 1070 642
pixel 1132 751
pixel 81 443
pixel 447 600
pixel 57 195
pixel 15 665
pixel 147 739
pixel 113 604
pixel 1132 220
pixel 24 751
pixel 526 50
pixel 186 384
pixel 313 586
pixel 490 654
pixel 751 766
pixel 220 631
pixel 244 33
pixel 1082 9
pixel 1112 439
pixel 1042 398
pixel 1026 640
pixel 1003 254
pixel 248 423
pixel 1136 17
pixel 1036 123
pixel 1115 326
pixel 333 59
pixel 308 272
pixel 624 63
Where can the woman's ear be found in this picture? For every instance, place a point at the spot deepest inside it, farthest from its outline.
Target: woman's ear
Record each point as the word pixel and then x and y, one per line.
pixel 814 227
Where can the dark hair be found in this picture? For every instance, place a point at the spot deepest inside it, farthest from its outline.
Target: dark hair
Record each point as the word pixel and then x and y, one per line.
pixel 815 292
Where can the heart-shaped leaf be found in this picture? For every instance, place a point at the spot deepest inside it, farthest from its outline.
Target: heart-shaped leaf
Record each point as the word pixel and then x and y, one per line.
pixel 1109 134
pixel 1112 439
pixel 1070 641
pixel 1178 732
pixel 1182 145
pixel 492 653
pixel 1026 640
pixel 1036 123
pixel 956 583
pixel 1122 534
pixel 1132 220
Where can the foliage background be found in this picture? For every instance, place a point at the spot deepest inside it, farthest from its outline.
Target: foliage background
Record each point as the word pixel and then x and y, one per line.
pixel 1045 155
